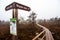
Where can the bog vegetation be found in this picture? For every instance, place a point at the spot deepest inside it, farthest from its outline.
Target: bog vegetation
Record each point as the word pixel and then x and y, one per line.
pixel 27 29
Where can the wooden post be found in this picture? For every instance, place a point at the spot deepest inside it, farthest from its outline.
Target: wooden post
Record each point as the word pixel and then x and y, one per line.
pixel 12 13
pixel 15 15
pixel 13 37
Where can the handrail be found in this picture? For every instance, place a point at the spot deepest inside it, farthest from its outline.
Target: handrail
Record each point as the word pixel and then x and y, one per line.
pixel 47 34
pixel 43 37
pixel 38 35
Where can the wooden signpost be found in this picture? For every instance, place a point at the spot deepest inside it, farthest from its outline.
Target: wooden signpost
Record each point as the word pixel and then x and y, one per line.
pixel 14 20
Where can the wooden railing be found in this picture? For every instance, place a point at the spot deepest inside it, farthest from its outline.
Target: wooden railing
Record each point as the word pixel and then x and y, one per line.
pixel 39 35
pixel 47 35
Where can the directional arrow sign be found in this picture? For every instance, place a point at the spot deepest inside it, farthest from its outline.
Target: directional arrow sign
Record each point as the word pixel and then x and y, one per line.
pixel 15 5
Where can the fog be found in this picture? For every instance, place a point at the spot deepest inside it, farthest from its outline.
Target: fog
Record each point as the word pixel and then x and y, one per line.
pixel 44 9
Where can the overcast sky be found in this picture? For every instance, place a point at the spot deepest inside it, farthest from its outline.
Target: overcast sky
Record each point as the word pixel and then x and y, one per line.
pixel 44 9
